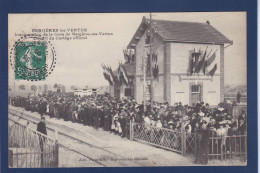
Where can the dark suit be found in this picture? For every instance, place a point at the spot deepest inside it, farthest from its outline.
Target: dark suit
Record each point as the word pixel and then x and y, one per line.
pixel 41 127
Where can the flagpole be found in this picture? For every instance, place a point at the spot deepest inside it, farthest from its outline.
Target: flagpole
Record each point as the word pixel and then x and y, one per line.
pixel 144 85
pixel 151 68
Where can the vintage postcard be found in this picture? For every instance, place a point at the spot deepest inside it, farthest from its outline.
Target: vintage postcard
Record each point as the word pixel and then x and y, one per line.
pixel 127 89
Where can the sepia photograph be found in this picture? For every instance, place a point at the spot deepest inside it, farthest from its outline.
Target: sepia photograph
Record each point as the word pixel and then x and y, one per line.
pixel 127 89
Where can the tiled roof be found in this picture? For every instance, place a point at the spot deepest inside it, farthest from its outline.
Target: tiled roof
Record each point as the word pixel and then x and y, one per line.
pixel 186 32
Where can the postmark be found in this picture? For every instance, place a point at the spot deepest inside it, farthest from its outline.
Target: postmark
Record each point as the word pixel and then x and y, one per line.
pixel 32 58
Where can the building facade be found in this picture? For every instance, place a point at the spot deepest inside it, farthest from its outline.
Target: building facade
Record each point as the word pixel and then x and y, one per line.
pixel 180 51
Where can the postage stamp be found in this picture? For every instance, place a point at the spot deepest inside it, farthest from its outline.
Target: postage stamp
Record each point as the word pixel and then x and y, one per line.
pixel 32 58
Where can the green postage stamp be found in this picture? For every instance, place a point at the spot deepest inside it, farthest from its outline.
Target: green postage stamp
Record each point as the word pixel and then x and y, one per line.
pixel 33 58
pixel 30 60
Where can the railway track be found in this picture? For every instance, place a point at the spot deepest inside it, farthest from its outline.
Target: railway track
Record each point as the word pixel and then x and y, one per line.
pixel 61 145
pixel 106 154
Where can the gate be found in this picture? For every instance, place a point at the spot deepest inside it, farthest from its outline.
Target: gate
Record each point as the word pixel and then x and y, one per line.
pixel 180 142
pixel 29 149
pixel 227 147
pixel 219 147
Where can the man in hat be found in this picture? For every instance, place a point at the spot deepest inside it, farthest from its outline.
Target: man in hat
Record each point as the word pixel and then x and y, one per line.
pixel 107 117
pixel 242 116
pixel 238 97
pixel 122 121
pixel 41 127
pixel 242 127
pixel 204 145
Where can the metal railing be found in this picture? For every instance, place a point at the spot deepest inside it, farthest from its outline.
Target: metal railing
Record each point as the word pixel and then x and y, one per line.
pixel 181 142
pixel 227 147
pixel 29 148
pixel 224 147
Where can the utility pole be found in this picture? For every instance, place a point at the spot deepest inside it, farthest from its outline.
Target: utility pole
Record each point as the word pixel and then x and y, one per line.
pixel 144 74
pixel 151 63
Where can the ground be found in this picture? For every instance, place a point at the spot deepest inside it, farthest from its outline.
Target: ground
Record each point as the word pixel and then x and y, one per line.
pixel 102 148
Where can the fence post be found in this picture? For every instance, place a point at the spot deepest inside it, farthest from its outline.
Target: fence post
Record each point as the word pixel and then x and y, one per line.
pixel 10 158
pixel 56 154
pixel 182 143
pixel 221 148
pixel 56 134
pixel 131 130
pixel 183 140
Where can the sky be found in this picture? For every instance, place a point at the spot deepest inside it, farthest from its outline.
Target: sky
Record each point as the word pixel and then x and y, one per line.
pixel 79 61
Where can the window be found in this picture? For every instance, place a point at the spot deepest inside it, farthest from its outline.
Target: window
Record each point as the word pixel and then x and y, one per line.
pixel 195 89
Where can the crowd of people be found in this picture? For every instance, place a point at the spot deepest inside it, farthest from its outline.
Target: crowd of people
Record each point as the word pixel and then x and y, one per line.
pixel 113 114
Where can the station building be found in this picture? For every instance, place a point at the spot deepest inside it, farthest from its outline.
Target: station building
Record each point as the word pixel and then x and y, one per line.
pixel 177 46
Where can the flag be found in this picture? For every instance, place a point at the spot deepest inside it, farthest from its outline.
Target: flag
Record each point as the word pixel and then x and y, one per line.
pixel 211 59
pixel 211 72
pixel 197 58
pixel 112 76
pixel 154 58
pixel 155 71
pixel 204 67
pixel 155 68
pixel 130 55
pixel 104 71
pixel 211 64
pixel 205 63
pixel 133 57
pixel 119 76
pixel 201 62
pixel 148 65
pixel 107 74
pixel 123 74
pixel 126 55
pixel 192 63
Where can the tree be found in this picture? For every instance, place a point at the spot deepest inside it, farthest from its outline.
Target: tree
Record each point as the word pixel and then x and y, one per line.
pixel 72 87
pixel 45 87
pixel 21 87
pixel 33 88
pixel 63 88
